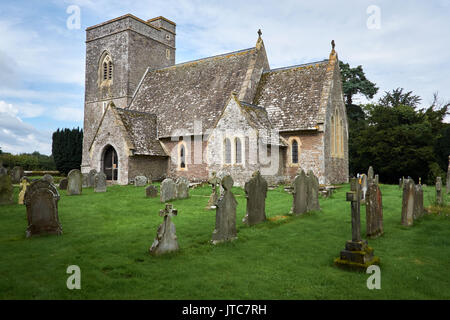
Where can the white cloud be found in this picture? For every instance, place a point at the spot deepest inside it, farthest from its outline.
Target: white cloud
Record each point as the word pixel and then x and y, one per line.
pixel 68 114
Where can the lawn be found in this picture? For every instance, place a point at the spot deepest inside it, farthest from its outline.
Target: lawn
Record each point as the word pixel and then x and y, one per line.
pixel 108 236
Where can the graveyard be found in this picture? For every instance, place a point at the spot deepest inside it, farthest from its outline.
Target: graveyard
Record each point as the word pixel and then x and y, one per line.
pixel 287 256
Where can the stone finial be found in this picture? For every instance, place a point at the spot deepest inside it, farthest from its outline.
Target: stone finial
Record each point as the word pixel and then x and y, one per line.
pixel 259 33
pixel 333 44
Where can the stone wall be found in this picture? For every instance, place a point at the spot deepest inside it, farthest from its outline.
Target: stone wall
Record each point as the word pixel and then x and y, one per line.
pixel 152 167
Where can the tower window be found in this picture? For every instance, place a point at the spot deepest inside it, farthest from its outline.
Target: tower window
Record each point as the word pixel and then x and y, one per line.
pixel 110 70
pixel 106 71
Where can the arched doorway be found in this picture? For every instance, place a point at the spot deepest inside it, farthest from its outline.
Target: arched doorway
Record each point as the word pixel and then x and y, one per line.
pixel 110 163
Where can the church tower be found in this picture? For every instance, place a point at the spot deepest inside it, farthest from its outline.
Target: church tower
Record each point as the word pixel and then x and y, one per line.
pixel 118 53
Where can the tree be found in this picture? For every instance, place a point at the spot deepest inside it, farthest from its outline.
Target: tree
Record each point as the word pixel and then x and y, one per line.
pixel 354 81
pixel 67 149
pixel 397 98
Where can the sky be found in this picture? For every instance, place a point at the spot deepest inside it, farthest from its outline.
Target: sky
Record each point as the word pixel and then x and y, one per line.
pixel 42 48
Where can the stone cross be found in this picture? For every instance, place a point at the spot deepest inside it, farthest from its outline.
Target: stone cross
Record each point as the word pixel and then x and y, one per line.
pixel 255 192
pixel 166 239
pixel 214 181
pixel 354 197
pixel 439 191
pixel 225 229
pixel 23 185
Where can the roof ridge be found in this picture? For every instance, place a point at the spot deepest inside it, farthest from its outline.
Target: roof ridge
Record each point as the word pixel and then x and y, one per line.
pixel 136 111
pixel 251 105
pixel 297 66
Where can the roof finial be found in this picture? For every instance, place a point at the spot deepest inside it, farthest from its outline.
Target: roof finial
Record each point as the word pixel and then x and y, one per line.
pixel 332 45
pixel 259 33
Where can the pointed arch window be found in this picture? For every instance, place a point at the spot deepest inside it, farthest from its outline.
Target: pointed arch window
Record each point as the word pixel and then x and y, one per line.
pixel 238 147
pixel 227 151
pixel 182 157
pixel 294 151
pixel 106 68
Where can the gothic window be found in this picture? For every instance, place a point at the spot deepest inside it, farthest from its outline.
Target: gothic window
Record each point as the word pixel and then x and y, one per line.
pixel 182 158
pixel 294 151
pixel 110 70
pixel 106 71
pixel 227 150
pixel 238 147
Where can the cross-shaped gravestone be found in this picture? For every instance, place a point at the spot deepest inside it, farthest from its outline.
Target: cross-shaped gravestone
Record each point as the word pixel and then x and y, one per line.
pixel 166 239
pixel 214 181
pixel 354 197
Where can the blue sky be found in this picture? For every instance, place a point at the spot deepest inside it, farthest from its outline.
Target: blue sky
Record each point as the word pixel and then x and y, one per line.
pixel 42 60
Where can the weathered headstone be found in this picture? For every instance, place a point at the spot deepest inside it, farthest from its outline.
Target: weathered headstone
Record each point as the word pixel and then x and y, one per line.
pixel 63 184
pixel 74 184
pixel 370 175
pixel 255 192
pixel 24 184
pixel 16 174
pixel 357 254
pixel 140 181
pixel 400 183
pixel 100 182
pixel 439 191
pixel 418 202
pixel 408 202
pixel 41 199
pixel 364 186
pixel 300 193
pixel 377 179
pixel 312 192
pixel 214 181
pixel 182 186
pixel 225 229
pixel 6 189
pixel 166 239
pixel 374 211
pixel 151 191
pixel 168 190
pixel 91 178
pixel 47 177
pixel 85 179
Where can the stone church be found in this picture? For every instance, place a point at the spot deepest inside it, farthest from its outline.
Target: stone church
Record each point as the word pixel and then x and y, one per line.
pixel 146 115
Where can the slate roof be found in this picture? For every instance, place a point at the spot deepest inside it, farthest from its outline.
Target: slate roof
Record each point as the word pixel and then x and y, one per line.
pixel 292 95
pixel 191 91
pixel 141 128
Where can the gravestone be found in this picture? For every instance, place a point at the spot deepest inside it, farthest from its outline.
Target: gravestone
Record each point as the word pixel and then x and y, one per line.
pixel 357 254
pixel 439 191
pixel 225 229
pixel 400 183
pixel 85 179
pixel 166 239
pixel 370 176
pixel 63 184
pixel 374 211
pixel 47 177
pixel 377 179
pixel 100 182
pixel 182 186
pixel 74 182
pixel 448 176
pixel 41 199
pixel 214 181
pixel 364 186
pixel 418 202
pixel 6 189
pixel 409 194
pixel 255 192
pixel 168 190
pixel 300 193
pixel 16 174
pixel 24 184
pixel 151 191
pixel 312 192
pixel 91 178
pixel 140 181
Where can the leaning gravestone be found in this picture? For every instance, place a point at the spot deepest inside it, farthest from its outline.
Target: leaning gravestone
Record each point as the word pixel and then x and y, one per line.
pixel 91 177
pixel 182 186
pixel 151 191
pixel 140 181
pixel 6 189
pixel 418 202
pixel 225 229
pixel 16 174
pixel 100 182
pixel 312 192
pixel 48 177
pixel 63 184
pixel 300 193
pixel 439 191
pixel 409 194
pixel 74 184
pixel 374 211
pixel 24 184
pixel 255 192
pixel 41 200
pixel 166 239
pixel 168 190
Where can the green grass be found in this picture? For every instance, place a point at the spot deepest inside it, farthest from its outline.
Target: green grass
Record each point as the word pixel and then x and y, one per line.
pixel 108 236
